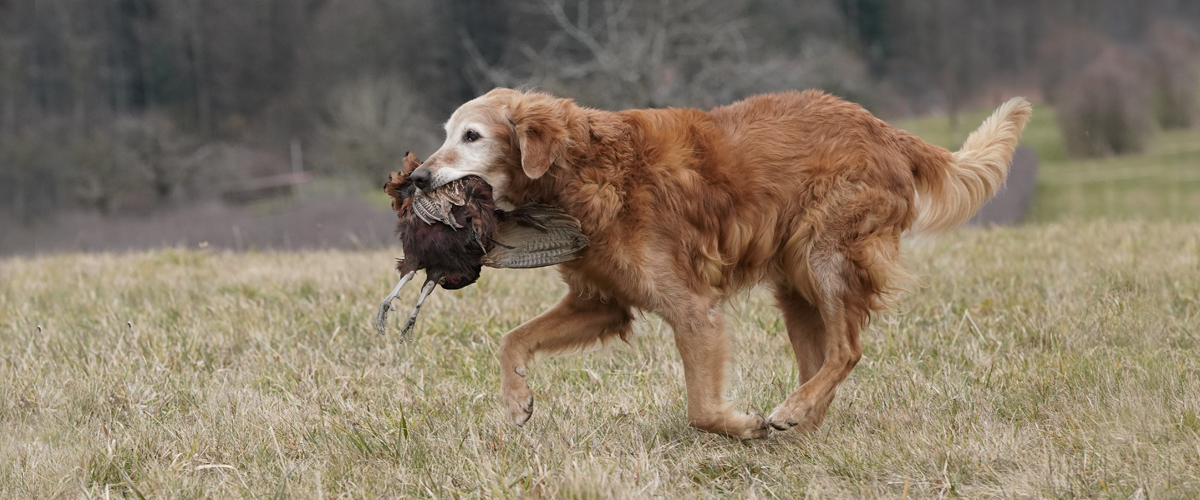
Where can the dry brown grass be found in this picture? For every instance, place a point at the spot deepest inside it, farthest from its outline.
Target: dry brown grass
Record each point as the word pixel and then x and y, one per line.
pixel 1053 361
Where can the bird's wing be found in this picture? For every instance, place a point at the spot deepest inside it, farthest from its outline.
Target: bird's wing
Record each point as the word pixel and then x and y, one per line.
pixel 436 206
pixel 434 209
pixel 536 236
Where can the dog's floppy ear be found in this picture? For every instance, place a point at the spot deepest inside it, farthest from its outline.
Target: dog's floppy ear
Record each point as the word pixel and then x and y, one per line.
pixel 539 122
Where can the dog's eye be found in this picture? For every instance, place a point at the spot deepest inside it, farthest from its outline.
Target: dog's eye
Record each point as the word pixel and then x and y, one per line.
pixel 471 136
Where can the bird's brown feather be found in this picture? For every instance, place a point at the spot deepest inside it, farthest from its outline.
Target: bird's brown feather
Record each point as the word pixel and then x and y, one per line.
pixel 455 230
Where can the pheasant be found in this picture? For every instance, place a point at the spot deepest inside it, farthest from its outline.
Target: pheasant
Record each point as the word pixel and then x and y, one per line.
pixel 455 230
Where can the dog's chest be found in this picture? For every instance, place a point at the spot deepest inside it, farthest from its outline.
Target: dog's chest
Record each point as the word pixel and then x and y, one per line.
pixel 617 271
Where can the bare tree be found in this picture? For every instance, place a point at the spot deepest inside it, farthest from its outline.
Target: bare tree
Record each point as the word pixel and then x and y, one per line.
pixel 161 77
pixel 937 41
pixel 625 53
pixel 408 41
pixel 370 125
pixel 13 68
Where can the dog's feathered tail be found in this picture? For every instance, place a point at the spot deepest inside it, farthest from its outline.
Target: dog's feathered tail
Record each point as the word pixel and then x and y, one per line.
pixel 951 187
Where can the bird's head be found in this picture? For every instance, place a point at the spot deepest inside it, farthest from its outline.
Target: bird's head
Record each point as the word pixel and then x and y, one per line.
pixel 400 185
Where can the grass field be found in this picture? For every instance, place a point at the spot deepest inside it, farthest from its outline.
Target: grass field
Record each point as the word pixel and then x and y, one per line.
pixel 1162 184
pixel 1060 360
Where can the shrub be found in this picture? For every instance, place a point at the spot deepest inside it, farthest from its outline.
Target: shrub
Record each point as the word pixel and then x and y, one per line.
pixel 1176 74
pixel 28 181
pixel 104 174
pixel 1106 108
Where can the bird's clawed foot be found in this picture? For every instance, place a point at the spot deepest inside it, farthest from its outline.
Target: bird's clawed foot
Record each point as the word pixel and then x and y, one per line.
pixel 382 314
pixel 386 305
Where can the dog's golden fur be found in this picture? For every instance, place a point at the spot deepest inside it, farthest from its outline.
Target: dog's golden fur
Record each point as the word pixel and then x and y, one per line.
pixel 799 191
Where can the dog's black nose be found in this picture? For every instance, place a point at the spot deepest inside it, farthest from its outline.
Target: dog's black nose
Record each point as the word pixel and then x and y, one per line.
pixel 421 178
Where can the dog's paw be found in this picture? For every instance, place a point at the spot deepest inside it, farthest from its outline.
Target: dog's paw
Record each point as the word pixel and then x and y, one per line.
pixel 758 428
pixel 787 417
pixel 782 424
pixel 735 424
pixel 519 403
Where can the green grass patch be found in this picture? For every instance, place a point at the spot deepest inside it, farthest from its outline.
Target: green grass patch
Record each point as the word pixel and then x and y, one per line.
pixel 1161 184
pixel 1041 134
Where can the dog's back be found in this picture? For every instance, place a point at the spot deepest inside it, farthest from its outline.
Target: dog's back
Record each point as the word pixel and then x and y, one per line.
pixel 744 192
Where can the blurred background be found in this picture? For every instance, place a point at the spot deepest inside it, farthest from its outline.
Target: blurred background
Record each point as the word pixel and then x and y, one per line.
pixel 256 124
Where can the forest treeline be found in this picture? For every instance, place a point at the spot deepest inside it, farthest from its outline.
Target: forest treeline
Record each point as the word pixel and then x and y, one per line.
pixel 134 105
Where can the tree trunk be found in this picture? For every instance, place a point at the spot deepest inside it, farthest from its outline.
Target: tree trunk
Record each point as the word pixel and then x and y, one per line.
pixel 203 97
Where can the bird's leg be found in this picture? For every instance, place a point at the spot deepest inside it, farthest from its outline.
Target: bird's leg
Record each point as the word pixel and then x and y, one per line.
pixel 386 305
pixel 412 320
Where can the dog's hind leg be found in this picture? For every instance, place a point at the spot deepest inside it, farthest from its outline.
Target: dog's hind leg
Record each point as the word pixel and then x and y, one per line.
pixel 574 324
pixel 703 345
pixel 825 337
pixel 805 329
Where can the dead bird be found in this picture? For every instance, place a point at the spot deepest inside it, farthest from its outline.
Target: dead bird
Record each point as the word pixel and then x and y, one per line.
pixel 455 230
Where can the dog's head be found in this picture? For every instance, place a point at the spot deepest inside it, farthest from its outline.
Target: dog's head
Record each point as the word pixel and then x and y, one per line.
pixel 507 137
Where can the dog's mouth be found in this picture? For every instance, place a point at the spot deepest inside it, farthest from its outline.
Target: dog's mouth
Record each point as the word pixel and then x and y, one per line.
pixel 468 179
pixel 442 178
pixel 438 205
pixel 454 183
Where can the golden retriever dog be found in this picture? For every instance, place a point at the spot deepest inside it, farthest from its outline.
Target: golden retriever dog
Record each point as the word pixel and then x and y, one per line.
pixel 799 191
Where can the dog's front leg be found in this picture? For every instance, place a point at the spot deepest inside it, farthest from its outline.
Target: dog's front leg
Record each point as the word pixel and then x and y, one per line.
pixel 572 325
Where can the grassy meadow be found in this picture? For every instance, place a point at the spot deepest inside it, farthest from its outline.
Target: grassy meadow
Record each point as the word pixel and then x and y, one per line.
pixel 1058 360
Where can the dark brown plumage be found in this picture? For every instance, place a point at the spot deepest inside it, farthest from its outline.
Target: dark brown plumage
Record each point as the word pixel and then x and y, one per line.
pixel 455 230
